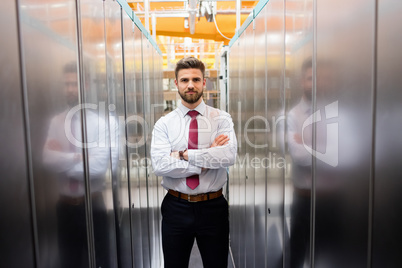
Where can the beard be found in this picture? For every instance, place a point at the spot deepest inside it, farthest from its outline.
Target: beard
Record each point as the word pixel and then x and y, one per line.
pixel 308 93
pixel 193 98
pixel 72 100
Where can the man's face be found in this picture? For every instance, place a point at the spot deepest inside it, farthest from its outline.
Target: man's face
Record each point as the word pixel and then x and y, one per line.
pixel 71 88
pixel 190 84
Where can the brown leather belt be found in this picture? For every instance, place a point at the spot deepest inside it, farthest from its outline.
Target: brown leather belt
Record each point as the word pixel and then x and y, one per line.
pixel 303 192
pixel 197 197
pixel 75 201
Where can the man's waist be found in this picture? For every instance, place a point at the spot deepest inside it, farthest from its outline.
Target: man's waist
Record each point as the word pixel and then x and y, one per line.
pixel 196 197
pixel 77 200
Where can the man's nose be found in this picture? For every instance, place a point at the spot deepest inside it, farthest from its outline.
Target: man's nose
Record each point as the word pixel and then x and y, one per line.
pixel 190 84
pixel 72 88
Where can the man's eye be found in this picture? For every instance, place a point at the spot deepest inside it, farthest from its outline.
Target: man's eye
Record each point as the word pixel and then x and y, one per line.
pixel 197 80
pixel 184 80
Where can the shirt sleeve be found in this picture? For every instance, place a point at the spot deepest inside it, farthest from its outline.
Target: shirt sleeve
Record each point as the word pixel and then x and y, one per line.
pixel 219 156
pixel 57 161
pixel 98 149
pixel 298 152
pixel 162 163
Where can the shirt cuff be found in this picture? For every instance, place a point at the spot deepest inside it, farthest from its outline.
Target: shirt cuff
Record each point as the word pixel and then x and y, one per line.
pixel 191 157
pixel 194 169
pixel 195 157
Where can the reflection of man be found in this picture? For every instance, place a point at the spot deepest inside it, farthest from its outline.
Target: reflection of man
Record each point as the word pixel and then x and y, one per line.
pixel 191 148
pixel 63 156
pixel 301 159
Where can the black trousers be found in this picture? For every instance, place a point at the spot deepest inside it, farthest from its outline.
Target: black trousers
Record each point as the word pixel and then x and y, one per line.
pixel 206 221
pixel 72 234
pixel 299 230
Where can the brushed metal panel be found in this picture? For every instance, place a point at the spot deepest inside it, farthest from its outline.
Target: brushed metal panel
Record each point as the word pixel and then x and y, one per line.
pixel 98 131
pixel 152 179
pixel 260 137
pixel 274 161
pixel 132 78
pixel 242 153
pixel 344 92
pixel 387 185
pixel 145 175
pixel 116 94
pixel 248 93
pixel 157 112
pixel 235 112
pixel 49 43
pixel 17 245
pixel 298 90
pixel 158 64
pixel 161 190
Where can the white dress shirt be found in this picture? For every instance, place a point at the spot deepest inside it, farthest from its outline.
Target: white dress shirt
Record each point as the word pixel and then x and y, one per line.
pixel 170 134
pixel 64 162
pixel 301 158
pixel 326 143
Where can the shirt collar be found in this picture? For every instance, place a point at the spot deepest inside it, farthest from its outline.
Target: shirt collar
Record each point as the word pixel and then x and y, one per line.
pixel 200 108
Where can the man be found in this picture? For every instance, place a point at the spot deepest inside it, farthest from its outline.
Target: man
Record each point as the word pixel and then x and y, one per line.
pixel 62 155
pixel 301 169
pixel 191 148
pixel 300 139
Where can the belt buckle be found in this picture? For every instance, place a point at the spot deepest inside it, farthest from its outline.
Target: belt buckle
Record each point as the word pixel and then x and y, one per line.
pixel 189 199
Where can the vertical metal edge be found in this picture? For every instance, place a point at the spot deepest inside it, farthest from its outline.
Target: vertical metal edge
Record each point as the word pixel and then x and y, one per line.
pixel 81 95
pixel 126 135
pixel 314 136
pixel 147 175
pixel 266 116
pixel 115 261
pixel 373 140
pixel 231 257
pixel 284 224
pixel 145 147
pixel 27 138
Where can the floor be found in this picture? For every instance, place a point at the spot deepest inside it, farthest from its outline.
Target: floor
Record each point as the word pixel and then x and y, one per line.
pixel 195 258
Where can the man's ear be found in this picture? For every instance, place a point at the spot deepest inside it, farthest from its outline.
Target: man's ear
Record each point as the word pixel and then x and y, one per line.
pixel 205 82
pixel 175 82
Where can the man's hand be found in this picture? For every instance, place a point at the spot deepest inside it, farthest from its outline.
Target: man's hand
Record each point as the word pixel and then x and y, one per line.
pixel 175 154
pixel 54 145
pixel 220 140
pixel 298 138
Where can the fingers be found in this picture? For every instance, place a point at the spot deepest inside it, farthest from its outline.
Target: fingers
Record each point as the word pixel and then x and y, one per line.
pixel 220 140
pixel 298 138
pixel 175 154
pixel 54 145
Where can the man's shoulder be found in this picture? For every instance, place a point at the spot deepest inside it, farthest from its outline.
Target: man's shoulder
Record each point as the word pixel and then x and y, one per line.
pixel 59 118
pixel 297 108
pixel 213 112
pixel 173 115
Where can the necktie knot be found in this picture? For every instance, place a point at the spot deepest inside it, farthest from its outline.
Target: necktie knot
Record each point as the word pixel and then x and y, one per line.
pixel 192 113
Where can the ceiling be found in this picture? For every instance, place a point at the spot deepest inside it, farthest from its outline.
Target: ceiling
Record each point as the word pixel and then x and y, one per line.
pixel 214 24
pixel 170 17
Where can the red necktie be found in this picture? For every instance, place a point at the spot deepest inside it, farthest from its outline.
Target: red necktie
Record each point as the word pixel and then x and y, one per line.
pixel 193 181
pixel 73 182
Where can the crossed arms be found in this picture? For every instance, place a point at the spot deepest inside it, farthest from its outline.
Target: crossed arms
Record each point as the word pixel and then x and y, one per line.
pixel 165 162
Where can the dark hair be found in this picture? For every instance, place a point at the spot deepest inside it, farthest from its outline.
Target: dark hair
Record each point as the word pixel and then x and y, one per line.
pixel 307 64
pixel 70 67
pixel 190 63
